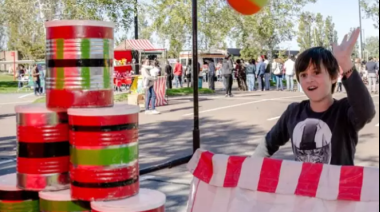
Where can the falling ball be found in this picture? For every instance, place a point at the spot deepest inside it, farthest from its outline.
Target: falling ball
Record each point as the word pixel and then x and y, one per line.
pixel 247 7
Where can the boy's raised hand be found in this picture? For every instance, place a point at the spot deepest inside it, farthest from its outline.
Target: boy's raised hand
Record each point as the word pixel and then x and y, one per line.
pixel 344 51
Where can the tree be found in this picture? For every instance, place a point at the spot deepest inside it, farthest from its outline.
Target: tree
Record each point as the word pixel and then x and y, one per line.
pixel 319 30
pixel 305 39
pixel 314 30
pixel 270 27
pixel 330 34
pixel 25 19
pixel 371 7
pixel 372 46
pixel 356 53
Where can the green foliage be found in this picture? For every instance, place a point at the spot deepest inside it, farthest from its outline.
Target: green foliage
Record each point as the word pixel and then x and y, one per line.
pixel 25 19
pixel 371 7
pixel 187 91
pixel 356 51
pixel 314 30
pixel 121 97
pixel 270 27
pixel 372 46
pixel 305 39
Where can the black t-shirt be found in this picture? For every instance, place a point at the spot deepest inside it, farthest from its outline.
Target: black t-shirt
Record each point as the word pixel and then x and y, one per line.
pixel 329 137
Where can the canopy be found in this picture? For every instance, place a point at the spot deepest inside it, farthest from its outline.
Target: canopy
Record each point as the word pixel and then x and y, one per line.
pixel 140 45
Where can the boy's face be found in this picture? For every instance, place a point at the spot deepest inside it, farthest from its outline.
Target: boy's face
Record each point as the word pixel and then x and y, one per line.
pixel 316 83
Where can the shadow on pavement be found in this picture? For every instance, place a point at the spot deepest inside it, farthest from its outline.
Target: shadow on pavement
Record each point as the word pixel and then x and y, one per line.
pixel 168 140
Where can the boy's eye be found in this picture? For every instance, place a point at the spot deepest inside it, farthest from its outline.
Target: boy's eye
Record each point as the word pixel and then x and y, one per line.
pixel 303 75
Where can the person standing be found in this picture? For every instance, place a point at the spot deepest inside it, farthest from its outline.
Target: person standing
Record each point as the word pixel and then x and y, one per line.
pixel 36 80
pixel 148 83
pixel 240 75
pixel 178 71
pixel 212 75
pixel 289 72
pixel 20 76
pixel 373 71
pixel 169 75
pixel 42 82
pixel 277 71
pixel 251 75
pixel 261 73
pixel 188 74
pixel 268 72
pixel 227 68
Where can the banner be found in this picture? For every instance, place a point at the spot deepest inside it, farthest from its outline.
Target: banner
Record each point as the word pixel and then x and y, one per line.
pixel 241 184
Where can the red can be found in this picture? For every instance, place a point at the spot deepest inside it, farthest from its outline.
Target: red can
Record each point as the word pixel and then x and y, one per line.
pixel 79 58
pixel 104 152
pixel 146 201
pixel 13 199
pixel 43 150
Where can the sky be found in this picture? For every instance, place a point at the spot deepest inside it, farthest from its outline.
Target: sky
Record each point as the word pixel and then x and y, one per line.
pixel 345 14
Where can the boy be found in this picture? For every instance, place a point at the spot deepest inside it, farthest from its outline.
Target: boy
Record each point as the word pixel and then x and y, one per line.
pixel 322 129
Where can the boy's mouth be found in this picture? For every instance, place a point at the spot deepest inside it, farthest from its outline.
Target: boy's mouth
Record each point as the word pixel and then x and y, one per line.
pixel 312 88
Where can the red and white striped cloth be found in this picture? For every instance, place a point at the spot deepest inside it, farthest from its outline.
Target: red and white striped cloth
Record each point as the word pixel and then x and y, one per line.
pixel 239 184
pixel 160 90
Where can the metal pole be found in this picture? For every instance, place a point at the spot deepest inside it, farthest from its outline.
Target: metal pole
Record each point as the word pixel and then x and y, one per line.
pixel 136 21
pixel 196 133
pixel 137 66
pixel 361 32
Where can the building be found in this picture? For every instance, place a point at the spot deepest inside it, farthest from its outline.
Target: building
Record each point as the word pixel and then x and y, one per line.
pixel 6 60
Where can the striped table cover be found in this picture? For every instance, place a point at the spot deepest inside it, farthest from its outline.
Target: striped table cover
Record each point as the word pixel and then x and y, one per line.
pixel 239 184
pixel 160 89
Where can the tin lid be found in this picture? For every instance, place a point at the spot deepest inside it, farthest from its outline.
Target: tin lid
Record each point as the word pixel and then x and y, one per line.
pixel 36 109
pixel 59 23
pixel 116 110
pixel 146 200
pixel 64 195
pixel 9 183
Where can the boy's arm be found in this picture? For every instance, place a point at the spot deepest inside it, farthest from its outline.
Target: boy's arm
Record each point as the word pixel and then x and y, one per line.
pixel 276 138
pixel 362 108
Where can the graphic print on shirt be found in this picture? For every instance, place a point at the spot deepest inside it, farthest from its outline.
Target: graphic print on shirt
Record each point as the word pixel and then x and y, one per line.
pixel 312 141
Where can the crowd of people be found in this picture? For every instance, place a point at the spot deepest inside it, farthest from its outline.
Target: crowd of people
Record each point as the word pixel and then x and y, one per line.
pixel 261 74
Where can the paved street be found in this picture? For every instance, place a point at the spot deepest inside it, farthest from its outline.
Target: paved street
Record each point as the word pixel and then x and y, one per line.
pixel 9 101
pixel 228 125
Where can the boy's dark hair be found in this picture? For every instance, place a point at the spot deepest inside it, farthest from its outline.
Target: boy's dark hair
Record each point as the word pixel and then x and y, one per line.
pixel 318 56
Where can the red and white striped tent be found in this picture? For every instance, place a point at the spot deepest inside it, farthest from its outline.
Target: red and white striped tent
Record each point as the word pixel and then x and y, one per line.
pixel 239 184
pixel 140 45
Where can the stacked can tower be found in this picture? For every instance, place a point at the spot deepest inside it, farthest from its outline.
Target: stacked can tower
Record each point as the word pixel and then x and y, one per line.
pixel 79 147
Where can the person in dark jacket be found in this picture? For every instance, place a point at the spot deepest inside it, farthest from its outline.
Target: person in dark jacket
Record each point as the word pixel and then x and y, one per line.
pixel 169 75
pixel 261 73
pixel 227 68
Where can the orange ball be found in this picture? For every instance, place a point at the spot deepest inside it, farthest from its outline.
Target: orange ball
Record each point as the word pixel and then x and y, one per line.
pixel 247 7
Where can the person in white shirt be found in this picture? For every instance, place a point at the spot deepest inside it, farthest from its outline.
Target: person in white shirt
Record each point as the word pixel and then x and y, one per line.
pixel 289 70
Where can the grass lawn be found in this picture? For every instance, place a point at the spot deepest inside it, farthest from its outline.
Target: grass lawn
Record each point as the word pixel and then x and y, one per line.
pixel 187 91
pixel 7 85
pixel 118 98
